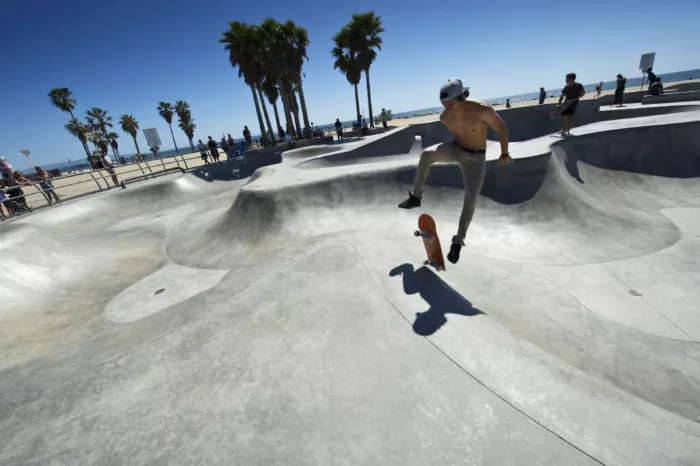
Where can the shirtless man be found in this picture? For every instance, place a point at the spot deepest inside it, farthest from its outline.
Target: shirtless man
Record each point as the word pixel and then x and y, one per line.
pixel 468 121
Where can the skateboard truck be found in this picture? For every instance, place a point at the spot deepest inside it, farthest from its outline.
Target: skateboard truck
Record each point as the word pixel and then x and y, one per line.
pixel 424 234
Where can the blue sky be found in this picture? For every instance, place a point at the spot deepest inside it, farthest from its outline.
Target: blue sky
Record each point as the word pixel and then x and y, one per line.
pixel 126 56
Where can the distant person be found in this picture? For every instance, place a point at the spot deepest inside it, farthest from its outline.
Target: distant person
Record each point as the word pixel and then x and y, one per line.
pixel 247 136
pixel 651 76
pixel 14 182
pixel 213 150
pixel 46 185
pixel 384 117
pixel 598 89
pixel 573 92
pixel 656 87
pixel 543 95
pixel 109 167
pixel 226 148
pixel 365 129
pixel 339 129
pixel 620 84
pixel 203 152
pixel 5 167
pixel 507 103
pixel 467 120
pixel 282 134
pixel 231 143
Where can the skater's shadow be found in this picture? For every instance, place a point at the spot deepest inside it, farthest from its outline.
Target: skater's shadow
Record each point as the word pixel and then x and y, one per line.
pixel 441 298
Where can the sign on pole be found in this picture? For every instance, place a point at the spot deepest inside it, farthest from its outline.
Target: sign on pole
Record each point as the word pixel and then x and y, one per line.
pixel 647 61
pixel 152 137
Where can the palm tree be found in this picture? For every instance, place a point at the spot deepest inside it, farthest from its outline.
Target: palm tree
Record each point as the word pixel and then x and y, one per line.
pixel 365 30
pixel 112 139
pixel 62 99
pixel 184 114
pixel 298 40
pixel 346 62
pixel 242 42
pixel 188 128
pixel 78 129
pixel 269 87
pixel 98 122
pixel 130 126
pixel 165 109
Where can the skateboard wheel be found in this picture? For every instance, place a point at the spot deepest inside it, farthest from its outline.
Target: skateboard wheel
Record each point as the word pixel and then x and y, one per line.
pixel 425 262
pixel 431 240
pixel 416 233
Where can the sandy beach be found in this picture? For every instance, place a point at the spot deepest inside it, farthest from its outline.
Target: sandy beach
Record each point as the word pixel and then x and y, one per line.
pixel 528 103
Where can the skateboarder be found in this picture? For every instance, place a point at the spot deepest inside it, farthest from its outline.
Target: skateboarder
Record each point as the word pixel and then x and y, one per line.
pixel 467 120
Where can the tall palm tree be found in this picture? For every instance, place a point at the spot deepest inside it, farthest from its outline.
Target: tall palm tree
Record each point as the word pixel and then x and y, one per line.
pixel 62 99
pixel 165 109
pixel 98 121
pixel 298 39
pixel 130 126
pixel 346 62
pixel 112 139
pixel 269 87
pixel 78 129
pixel 241 41
pixel 184 114
pixel 365 36
pixel 188 128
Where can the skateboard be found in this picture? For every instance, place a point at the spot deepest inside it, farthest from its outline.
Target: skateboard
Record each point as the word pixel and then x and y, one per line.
pixel 431 241
pixel 560 108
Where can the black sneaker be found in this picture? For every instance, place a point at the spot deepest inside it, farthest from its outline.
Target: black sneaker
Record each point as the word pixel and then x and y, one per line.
pixel 411 202
pixel 453 255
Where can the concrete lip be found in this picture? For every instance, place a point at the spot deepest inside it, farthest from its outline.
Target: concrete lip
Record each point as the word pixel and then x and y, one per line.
pixel 285 319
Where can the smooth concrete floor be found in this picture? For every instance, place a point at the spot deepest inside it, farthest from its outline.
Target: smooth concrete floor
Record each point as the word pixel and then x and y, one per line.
pixel 286 319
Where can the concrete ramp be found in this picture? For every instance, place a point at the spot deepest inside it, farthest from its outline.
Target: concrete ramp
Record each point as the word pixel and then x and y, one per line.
pixel 285 318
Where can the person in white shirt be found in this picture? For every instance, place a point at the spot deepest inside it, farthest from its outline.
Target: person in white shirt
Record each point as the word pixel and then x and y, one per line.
pixel 109 168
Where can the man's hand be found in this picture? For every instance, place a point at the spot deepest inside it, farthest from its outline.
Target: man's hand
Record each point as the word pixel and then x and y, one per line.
pixel 505 159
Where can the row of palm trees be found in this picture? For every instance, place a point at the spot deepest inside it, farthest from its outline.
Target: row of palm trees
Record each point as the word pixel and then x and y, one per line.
pixel 97 126
pixel 355 50
pixel 270 58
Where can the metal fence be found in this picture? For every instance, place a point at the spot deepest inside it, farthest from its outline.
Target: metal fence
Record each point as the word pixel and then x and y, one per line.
pixel 43 194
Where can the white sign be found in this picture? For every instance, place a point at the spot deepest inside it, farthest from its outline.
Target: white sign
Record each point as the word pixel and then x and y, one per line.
pixel 647 61
pixel 152 137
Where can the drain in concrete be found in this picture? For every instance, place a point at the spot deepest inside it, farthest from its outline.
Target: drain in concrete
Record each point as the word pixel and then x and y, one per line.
pixel 159 291
pixel 634 292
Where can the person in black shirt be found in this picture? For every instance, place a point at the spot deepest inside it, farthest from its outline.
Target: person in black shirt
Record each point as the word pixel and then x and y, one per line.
pixel 573 91
pixel 651 76
pixel 213 149
pixel 543 95
pixel 619 89
pixel 656 87
pixel 339 129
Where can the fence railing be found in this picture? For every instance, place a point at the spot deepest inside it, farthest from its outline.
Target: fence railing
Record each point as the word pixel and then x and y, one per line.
pixel 42 194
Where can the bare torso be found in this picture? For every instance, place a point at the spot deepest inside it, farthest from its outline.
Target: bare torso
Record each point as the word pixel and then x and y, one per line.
pixel 466 122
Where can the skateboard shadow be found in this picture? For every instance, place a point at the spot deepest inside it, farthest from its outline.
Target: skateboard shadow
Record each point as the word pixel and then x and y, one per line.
pixel 441 298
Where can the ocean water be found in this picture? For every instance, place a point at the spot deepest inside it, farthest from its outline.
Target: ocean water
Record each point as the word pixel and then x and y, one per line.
pixel 633 83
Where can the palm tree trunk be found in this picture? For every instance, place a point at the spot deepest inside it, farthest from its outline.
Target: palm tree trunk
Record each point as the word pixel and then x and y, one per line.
pixel 357 103
pixel 191 143
pixel 284 92
pixel 271 134
pixel 174 143
pixel 263 136
pixel 303 104
pixel 277 115
pixel 295 111
pixel 287 115
pixel 369 100
pixel 138 151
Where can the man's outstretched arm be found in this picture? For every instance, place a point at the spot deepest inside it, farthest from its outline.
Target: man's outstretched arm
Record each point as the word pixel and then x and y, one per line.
pixel 494 120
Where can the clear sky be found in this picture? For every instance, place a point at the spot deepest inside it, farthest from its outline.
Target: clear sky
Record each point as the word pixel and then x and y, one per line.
pixel 126 56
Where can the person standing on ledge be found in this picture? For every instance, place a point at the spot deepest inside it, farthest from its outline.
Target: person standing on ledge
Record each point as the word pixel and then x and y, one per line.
pixel 543 95
pixel 619 89
pixel 573 91
pixel 468 121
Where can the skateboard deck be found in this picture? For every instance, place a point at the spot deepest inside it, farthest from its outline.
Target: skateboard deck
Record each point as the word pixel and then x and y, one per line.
pixel 431 241
pixel 560 108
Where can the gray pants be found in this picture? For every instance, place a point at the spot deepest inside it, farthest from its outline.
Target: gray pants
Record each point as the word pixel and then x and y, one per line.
pixel 473 170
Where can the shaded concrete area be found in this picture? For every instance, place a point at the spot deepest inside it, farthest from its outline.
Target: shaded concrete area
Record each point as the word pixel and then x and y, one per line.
pixel 284 318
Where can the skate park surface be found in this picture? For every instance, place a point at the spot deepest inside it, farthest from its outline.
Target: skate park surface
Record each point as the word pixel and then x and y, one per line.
pixel 286 318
